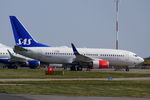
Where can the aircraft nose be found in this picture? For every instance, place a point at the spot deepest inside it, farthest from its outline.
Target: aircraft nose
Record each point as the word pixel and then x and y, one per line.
pixel 140 60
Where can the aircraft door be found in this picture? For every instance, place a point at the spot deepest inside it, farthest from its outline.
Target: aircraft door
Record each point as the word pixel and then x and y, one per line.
pixel 126 57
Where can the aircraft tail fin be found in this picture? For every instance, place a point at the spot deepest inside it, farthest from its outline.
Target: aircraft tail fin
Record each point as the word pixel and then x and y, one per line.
pixel 22 37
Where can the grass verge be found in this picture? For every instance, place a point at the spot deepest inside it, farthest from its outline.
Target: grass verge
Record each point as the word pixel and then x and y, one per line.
pixel 80 88
pixel 38 73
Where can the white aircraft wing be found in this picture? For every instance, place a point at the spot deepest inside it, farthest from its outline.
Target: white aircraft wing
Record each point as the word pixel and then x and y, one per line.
pixel 17 57
pixel 80 57
pixel 19 48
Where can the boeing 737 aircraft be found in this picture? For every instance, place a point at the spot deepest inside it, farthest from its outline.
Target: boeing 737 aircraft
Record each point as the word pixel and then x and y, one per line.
pixel 10 59
pixel 75 58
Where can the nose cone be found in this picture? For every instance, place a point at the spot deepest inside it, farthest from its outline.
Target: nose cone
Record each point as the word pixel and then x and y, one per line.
pixel 140 60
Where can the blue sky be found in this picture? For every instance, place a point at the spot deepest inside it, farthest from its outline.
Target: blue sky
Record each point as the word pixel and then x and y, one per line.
pixel 86 23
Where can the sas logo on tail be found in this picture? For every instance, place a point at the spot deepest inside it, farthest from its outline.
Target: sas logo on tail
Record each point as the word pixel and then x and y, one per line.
pixel 24 41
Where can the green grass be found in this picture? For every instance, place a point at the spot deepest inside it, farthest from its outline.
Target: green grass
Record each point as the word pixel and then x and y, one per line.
pixel 38 73
pixel 81 88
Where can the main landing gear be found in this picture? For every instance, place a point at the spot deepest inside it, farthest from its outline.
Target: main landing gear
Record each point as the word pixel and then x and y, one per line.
pixel 127 68
pixel 76 68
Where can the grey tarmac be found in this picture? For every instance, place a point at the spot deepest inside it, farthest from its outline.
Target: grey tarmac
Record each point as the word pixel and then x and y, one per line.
pixel 67 79
pixel 55 97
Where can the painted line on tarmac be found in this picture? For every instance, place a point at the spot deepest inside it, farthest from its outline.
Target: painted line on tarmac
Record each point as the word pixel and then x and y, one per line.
pixel 12 84
pixel 71 79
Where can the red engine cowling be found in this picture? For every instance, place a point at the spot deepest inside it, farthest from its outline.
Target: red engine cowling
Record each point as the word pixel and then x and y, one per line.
pixel 101 64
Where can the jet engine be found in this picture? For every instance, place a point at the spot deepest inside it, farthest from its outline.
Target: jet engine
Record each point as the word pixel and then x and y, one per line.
pixel 33 63
pixel 100 64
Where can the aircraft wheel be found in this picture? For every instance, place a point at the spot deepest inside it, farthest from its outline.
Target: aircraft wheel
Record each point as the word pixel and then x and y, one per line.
pixel 79 68
pixel 73 68
pixel 127 68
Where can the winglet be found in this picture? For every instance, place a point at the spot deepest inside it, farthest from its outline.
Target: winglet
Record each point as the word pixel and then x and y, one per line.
pixel 80 57
pixel 10 53
pixel 75 51
pixel 14 58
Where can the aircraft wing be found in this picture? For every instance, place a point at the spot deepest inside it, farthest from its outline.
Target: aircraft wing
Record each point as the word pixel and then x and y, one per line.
pixel 17 58
pixel 80 57
pixel 19 48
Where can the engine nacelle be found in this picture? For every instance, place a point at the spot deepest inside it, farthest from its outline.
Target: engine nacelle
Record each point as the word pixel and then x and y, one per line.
pixel 33 63
pixel 101 64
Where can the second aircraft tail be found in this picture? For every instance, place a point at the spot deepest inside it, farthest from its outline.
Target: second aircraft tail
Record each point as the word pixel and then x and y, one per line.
pixel 22 37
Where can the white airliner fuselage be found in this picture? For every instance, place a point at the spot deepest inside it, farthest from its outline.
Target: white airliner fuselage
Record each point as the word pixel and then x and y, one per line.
pixel 4 52
pixel 64 55
pixel 8 58
pixel 76 58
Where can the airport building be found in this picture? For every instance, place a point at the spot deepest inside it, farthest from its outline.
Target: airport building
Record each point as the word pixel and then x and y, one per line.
pixel 146 64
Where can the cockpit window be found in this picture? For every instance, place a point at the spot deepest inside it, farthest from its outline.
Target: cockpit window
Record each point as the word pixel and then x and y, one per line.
pixel 135 55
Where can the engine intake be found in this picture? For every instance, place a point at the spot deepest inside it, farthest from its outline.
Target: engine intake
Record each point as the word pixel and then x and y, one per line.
pixel 101 64
pixel 33 63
